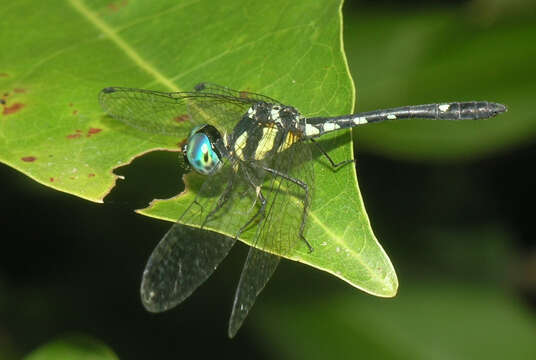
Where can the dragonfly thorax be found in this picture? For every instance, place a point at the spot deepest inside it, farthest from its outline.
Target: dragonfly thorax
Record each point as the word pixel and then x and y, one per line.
pixel 264 130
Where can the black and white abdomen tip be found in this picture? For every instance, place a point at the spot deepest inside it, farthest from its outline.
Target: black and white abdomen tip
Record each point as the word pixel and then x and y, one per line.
pixel 471 110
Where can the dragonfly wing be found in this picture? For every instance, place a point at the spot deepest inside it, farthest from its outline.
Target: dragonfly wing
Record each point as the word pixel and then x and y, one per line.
pixel 183 260
pixel 172 113
pixel 186 257
pixel 257 270
pixel 245 95
pixel 288 198
pixel 279 230
pixel 155 112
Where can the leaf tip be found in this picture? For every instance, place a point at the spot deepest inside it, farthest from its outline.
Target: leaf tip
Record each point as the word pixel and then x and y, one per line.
pixel 390 286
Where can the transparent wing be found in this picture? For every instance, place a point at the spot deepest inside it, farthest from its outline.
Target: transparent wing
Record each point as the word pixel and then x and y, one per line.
pixel 183 260
pixel 172 113
pixel 257 270
pixel 279 231
pixel 207 87
pixel 227 200
pixel 186 257
pixel 288 195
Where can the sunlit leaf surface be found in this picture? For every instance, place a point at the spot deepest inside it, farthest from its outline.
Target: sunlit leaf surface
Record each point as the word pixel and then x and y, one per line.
pixel 63 52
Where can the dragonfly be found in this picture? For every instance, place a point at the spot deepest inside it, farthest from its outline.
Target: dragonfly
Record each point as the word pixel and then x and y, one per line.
pixel 255 156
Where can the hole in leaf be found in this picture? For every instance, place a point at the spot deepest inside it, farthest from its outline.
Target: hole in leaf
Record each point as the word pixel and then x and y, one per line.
pixel 155 175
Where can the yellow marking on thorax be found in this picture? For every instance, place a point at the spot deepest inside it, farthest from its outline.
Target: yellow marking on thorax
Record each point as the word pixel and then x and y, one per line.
pixel 266 143
pixel 239 145
pixel 236 166
pixel 290 139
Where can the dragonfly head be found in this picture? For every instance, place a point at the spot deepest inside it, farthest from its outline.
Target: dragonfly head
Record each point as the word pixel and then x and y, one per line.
pixel 201 152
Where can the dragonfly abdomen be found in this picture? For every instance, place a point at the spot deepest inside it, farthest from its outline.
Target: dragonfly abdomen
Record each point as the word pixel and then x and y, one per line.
pixel 469 110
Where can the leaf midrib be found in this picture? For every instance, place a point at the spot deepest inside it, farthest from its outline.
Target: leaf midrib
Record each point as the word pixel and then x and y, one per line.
pixel 112 35
pixel 131 53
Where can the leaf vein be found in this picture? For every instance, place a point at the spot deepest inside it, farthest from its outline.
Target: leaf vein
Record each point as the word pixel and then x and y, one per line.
pixel 129 51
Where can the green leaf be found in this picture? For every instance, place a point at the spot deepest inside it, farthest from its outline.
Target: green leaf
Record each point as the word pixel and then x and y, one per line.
pixel 73 348
pixel 54 131
pixel 431 55
pixel 426 321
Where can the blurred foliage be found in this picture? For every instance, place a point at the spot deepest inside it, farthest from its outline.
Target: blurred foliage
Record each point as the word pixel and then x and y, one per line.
pixel 427 321
pixel 74 347
pixel 54 131
pixel 461 234
pixel 476 51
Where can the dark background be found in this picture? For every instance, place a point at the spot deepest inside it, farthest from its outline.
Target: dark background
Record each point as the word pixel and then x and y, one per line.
pixel 462 227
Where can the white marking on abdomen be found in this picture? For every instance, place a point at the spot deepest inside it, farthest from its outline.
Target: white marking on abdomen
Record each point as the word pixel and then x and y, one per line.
pixel 310 130
pixel 444 107
pixel 391 116
pixel 331 126
pixel 360 120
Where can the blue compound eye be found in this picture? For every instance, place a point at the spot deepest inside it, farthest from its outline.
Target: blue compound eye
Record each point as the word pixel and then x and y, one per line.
pixel 201 154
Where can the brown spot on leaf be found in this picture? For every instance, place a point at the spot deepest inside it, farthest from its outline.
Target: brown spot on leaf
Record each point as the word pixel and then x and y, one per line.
pixel 19 90
pixel 2 102
pixel 75 112
pixel 28 158
pixel 91 175
pixel 70 104
pixel 78 130
pixel 93 131
pixel 114 7
pixel 51 179
pixel 12 109
pixel 73 136
pixel 182 118
pixel 3 75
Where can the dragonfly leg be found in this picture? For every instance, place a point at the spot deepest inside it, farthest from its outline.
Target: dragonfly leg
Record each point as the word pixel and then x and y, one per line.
pixel 305 188
pixel 221 201
pixel 260 212
pixel 195 202
pixel 333 164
